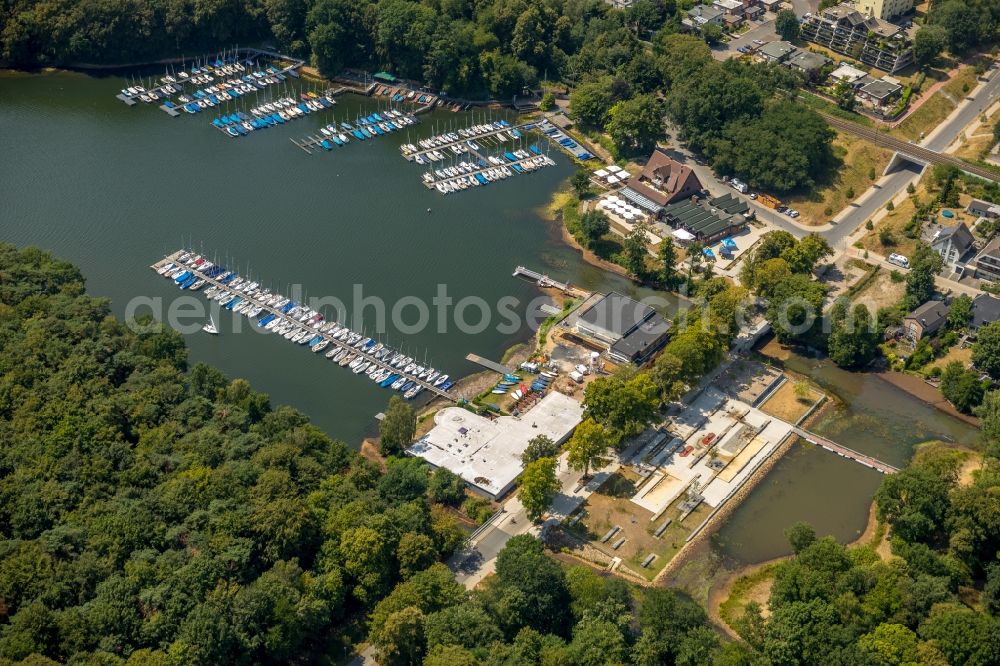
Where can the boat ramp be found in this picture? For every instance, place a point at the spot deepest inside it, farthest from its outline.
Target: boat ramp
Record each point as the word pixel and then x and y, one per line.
pixel 302 325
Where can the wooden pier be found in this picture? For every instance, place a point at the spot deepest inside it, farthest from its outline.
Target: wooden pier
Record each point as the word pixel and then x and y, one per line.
pixel 464 142
pixel 292 320
pixel 487 363
pixel 540 279
pixel 844 452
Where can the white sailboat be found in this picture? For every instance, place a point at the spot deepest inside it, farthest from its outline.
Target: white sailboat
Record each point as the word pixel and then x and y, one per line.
pixel 210 327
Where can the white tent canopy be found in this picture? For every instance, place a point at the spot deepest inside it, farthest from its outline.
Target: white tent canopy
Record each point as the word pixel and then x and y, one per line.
pixel 682 234
pixel 601 173
pixel 613 179
pixel 614 168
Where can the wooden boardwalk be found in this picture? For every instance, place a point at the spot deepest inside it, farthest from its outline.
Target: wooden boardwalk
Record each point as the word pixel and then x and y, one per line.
pixel 844 452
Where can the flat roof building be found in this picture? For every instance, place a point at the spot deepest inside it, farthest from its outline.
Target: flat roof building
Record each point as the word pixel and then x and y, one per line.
pixel 709 220
pixel 632 331
pixel 485 452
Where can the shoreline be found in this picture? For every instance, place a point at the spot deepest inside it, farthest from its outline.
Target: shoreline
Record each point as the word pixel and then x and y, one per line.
pixel 553 213
pixel 926 393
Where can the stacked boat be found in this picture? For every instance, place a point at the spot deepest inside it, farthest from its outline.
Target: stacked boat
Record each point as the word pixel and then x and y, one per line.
pixel 302 325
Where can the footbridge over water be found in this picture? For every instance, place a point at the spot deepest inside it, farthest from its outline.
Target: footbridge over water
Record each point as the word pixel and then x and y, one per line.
pixel 844 452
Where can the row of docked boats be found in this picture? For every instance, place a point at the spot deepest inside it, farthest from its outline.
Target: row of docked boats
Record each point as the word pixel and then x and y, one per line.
pixel 367 127
pixel 243 81
pixel 445 146
pixel 225 91
pixel 302 325
pixel 464 175
pixel 448 138
pixel 270 114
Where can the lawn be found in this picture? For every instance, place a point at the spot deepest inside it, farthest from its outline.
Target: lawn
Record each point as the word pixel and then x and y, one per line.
pixel 826 106
pixel 961 354
pixel 858 160
pixel 938 107
pixel 881 292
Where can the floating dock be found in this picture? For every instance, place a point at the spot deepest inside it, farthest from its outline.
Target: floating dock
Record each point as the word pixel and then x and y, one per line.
pixel 210 275
pixel 282 111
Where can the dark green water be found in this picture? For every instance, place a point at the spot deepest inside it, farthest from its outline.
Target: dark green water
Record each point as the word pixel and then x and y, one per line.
pixel 113 188
pixel 813 485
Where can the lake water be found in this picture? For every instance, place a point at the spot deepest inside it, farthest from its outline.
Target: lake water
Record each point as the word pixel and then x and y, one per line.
pixel 833 494
pixel 113 188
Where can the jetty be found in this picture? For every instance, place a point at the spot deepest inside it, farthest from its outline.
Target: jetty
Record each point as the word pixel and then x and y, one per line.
pixel 844 452
pixel 216 276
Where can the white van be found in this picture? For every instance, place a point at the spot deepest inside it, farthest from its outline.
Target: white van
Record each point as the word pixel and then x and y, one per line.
pixel 898 260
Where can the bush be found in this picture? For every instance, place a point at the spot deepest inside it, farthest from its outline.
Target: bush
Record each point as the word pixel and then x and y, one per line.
pixel 896 276
pixel 828 211
pixel 869 225
pixel 890 206
pixel 885 237
pixel 871 174
pixel 849 193
pixel 910 189
pixel 548 102
pixel 478 509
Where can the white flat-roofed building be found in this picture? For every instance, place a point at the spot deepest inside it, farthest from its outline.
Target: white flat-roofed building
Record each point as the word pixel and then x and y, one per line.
pixel 486 453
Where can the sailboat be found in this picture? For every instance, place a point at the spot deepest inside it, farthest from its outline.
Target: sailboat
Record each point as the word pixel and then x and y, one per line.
pixel 210 327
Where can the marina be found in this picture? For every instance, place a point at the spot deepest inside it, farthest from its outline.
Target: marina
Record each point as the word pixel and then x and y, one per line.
pixel 270 114
pixel 373 125
pixel 302 325
pixel 222 78
pixel 439 147
pixel 486 170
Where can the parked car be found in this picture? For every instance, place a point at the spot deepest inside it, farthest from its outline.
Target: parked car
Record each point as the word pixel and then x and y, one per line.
pixel 792 212
pixel 758 42
pixel 753 195
pixel 687 451
pixel 708 439
pixel 743 49
pixel 898 260
pixel 782 209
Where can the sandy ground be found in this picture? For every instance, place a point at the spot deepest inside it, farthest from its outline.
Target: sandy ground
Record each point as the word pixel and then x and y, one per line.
pixel 881 292
pixel 786 405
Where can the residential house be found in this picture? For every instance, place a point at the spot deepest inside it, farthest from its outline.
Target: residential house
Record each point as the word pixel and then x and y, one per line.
pixel 752 10
pixel 772 5
pixel 632 331
pixel 701 15
pixel 871 40
pixel 810 64
pixel 662 181
pixel 980 208
pixel 848 74
pixel 730 7
pixel 777 51
pixel 953 243
pixel 884 9
pixel 925 320
pixel 708 220
pixel 985 310
pixel 986 265
pixel 881 92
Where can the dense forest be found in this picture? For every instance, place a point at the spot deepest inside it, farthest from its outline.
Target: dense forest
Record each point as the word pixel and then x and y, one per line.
pixel 152 513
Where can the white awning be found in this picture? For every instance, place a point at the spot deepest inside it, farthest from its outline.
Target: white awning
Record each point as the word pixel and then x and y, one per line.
pixel 614 168
pixel 613 179
pixel 601 173
pixel 682 234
